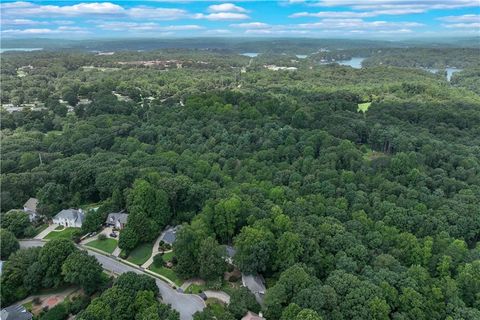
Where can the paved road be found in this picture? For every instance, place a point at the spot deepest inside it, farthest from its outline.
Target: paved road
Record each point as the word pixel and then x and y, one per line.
pixel 185 304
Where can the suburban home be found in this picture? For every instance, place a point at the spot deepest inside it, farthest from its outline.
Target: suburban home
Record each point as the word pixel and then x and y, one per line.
pixel 70 218
pixel 117 220
pixel 256 285
pixel 16 312
pixel 170 235
pixel 30 207
pixel 253 316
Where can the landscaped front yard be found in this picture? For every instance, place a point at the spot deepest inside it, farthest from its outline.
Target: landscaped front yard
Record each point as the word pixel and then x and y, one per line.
pixel 107 245
pixel 140 254
pixel 167 273
pixel 64 234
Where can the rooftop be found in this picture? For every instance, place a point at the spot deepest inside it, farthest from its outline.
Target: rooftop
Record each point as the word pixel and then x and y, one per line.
pixel 15 312
pixel 31 204
pixel 71 214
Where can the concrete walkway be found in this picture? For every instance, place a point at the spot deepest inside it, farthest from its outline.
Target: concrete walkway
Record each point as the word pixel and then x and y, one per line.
pixel 44 233
pixel 149 262
pixel 117 251
pixel 219 295
pixel 189 282
pixel 105 231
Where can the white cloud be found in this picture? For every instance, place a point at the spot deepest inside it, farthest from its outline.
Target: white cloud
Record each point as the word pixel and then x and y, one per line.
pixel 156 13
pixel 358 24
pixel 251 25
pixel 226 7
pixel 22 22
pixel 398 4
pixel 31 9
pixel 63 30
pixel 464 18
pixel 222 16
pixel 472 26
pixel 144 26
pixel 355 14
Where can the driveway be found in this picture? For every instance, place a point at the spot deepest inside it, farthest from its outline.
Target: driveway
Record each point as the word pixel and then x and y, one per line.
pixel 50 228
pixel 185 304
pixel 149 262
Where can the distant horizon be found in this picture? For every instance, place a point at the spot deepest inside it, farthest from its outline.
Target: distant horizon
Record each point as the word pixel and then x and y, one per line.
pixel 321 19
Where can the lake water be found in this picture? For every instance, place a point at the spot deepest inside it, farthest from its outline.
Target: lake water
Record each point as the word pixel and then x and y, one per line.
pixel 250 54
pixel 19 49
pixel 301 56
pixel 355 62
pixel 450 71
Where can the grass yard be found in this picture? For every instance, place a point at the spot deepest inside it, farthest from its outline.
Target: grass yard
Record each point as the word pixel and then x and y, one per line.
pixel 140 254
pixel 167 273
pixel 28 305
pixel 64 234
pixel 195 288
pixel 167 256
pixel 363 107
pixel 58 228
pixel 107 245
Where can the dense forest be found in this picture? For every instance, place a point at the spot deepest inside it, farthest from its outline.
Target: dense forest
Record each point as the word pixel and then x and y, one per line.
pixel 347 213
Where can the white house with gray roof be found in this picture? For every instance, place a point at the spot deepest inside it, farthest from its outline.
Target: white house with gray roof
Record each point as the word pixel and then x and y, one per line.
pixel 72 218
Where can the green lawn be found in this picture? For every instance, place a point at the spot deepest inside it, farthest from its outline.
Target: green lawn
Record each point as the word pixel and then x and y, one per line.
pixel 167 256
pixel 64 234
pixel 195 288
pixel 107 245
pixel 167 273
pixel 28 305
pixel 140 254
pixel 363 107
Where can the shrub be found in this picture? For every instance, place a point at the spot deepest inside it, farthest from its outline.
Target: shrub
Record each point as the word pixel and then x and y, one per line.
pixel 78 304
pixel 59 312
pixel 158 260
pixel 102 237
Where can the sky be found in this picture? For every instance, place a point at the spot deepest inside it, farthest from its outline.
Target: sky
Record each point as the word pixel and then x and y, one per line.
pixel 387 19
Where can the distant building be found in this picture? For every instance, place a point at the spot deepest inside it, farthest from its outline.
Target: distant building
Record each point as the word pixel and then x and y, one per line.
pixel 117 220
pixel 30 207
pixel 253 316
pixel 256 285
pixel 15 313
pixel 70 218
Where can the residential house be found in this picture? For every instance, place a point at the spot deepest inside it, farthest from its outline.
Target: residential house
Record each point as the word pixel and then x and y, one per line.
pixel 253 316
pixel 117 220
pixel 70 218
pixel 170 235
pixel 30 207
pixel 16 312
pixel 256 285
